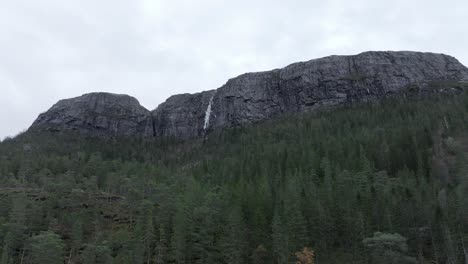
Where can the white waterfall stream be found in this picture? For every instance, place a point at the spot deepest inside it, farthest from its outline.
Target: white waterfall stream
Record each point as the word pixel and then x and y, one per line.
pixel 208 113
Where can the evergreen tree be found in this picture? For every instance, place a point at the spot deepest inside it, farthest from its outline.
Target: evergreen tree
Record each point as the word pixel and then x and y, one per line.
pixel 47 248
pixel 76 237
pixel 161 248
pixel 388 249
pixel 279 239
pixel 259 255
pixel 236 238
pixel 144 233
pixel 15 229
pixel 294 222
pixel 97 254
pixel 179 237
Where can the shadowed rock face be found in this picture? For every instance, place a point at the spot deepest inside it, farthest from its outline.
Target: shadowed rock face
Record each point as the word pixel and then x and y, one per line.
pixel 182 116
pixel 97 114
pixel 254 97
pixel 306 86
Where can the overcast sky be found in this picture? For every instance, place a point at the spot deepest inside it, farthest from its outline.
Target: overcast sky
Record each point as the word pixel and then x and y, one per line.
pixel 55 49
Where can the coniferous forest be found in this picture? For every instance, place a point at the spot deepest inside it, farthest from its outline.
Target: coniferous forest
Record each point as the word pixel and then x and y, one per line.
pixel 381 182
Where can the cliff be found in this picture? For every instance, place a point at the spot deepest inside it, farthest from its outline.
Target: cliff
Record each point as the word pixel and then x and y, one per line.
pixel 97 114
pixel 253 97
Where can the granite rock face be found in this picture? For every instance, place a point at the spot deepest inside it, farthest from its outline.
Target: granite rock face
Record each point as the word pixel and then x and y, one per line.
pixel 306 86
pixel 97 114
pixel 253 97
pixel 182 116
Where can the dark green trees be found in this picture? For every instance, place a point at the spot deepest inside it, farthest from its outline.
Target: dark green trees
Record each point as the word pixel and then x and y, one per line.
pixel 279 237
pixel 97 254
pixel 388 249
pixel 46 248
pixel 258 194
pixel 235 242
pixel 14 230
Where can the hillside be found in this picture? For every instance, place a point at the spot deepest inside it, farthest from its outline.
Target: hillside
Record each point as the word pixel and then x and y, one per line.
pixel 255 97
pixel 327 180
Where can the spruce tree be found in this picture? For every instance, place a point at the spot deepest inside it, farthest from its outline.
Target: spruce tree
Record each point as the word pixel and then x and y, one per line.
pixel 279 239
pixel 47 248
pixel 235 245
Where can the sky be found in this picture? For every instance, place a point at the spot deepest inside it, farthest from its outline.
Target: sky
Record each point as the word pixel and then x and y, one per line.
pixel 152 49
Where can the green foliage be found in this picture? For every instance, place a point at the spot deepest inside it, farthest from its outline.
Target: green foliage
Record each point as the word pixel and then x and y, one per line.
pixel 235 245
pixel 46 248
pixel 97 254
pixel 279 240
pixel 388 249
pixel 260 255
pixel 256 194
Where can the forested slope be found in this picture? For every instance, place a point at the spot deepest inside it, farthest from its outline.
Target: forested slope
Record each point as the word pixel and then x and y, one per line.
pixel 384 182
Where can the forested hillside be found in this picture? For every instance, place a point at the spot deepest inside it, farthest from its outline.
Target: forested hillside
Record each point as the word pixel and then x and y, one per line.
pixel 382 182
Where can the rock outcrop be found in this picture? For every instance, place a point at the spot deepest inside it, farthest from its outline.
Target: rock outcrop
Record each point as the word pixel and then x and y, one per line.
pixel 254 97
pixel 97 114
pixel 183 116
pixel 306 86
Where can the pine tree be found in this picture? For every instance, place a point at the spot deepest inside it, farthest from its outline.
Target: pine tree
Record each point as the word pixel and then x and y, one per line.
pixel 47 248
pixel 179 236
pixel 76 236
pixel 388 249
pixel 259 255
pixel 15 228
pixel 144 233
pixel 97 254
pixel 161 247
pixel 235 245
pixel 279 239
pixel 5 254
pixel 294 222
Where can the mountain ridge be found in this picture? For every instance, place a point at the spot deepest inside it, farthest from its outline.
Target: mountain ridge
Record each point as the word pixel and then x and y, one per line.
pixel 256 96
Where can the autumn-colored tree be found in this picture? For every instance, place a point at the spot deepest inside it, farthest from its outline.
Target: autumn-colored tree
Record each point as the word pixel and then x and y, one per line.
pixel 306 256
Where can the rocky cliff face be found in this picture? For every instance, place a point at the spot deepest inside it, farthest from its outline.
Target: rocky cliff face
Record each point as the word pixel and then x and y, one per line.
pixel 183 116
pixel 306 86
pixel 97 114
pixel 254 97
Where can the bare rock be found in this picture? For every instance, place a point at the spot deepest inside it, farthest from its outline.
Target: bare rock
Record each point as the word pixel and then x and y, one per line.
pixel 97 114
pixel 253 97
pixel 307 86
pixel 182 116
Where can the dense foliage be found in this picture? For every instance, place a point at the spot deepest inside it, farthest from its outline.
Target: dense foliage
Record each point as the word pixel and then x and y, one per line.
pixel 377 183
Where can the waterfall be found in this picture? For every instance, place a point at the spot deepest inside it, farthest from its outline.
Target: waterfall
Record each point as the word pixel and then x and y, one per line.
pixel 208 113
